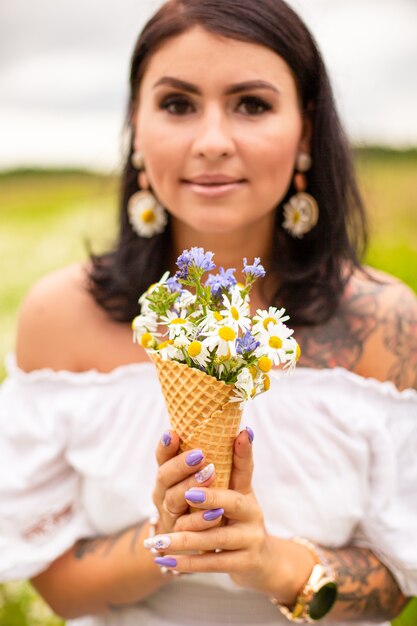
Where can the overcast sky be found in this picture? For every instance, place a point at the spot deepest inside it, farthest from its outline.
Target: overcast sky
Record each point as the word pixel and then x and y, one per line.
pixel 64 68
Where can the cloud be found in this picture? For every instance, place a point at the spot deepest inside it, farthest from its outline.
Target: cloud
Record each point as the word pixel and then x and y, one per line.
pixel 64 73
pixel 370 49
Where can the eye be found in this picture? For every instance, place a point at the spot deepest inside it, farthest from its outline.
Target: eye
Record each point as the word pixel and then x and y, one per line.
pixel 252 105
pixel 177 105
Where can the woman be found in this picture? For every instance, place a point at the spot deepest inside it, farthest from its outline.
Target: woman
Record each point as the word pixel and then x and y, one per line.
pixel 231 120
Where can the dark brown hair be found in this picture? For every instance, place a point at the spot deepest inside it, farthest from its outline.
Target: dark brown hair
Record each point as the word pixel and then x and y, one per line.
pixel 312 271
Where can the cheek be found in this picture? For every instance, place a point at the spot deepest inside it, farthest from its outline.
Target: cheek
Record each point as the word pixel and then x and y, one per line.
pixel 153 140
pixel 273 152
pixel 164 159
pixel 273 166
pixel 273 161
pixel 162 156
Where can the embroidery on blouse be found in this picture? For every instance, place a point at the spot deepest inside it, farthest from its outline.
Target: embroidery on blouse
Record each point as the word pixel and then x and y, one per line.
pixel 47 523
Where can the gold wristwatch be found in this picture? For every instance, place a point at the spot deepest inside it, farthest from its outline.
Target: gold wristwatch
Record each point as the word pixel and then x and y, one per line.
pixel 318 594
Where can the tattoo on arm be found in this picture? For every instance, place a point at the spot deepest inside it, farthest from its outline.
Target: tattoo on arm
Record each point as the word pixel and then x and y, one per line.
pixel 400 338
pixel 362 315
pixel 103 545
pixel 340 341
pixel 367 589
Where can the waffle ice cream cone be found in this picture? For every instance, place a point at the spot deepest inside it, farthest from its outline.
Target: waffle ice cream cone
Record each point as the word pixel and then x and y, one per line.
pixel 201 413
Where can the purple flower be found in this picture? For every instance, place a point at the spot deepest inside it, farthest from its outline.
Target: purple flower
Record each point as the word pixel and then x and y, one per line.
pixel 256 270
pixel 173 285
pixel 183 264
pixel 195 258
pixel 246 344
pixel 223 280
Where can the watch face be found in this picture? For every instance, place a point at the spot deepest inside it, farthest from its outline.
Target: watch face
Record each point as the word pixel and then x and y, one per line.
pixel 323 600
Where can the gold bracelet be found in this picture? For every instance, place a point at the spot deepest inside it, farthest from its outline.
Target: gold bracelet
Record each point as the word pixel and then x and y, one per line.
pixel 319 593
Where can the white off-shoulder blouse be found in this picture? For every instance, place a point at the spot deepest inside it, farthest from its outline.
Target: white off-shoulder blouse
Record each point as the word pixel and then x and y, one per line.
pixel 335 461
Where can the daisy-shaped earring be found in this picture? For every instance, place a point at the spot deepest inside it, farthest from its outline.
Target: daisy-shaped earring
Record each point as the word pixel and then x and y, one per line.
pixel 301 212
pixel 146 215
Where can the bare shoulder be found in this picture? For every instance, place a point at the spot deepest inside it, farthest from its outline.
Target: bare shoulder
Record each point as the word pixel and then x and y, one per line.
pixel 391 351
pixel 374 332
pixel 52 320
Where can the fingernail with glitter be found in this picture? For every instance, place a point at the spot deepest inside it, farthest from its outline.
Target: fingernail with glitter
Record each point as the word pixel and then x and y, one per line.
pixel 194 458
pixel 251 434
pixel 212 514
pixel 166 561
pixel 160 542
pixel 195 495
pixel 205 473
pixel 166 438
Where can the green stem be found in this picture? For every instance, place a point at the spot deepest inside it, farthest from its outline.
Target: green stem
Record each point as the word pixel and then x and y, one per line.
pixel 186 356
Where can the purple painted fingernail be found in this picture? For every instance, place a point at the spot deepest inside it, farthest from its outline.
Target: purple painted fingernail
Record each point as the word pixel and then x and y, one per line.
pixel 205 473
pixel 212 514
pixel 166 561
pixel 166 438
pixel 195 495
pixel 194 458
pixel 251 434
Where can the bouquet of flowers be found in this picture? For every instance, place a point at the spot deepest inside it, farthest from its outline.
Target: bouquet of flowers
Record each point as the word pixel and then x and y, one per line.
pixel 211 356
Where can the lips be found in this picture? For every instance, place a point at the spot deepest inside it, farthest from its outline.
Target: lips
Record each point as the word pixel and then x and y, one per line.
pixel 213 185
pixel 213 180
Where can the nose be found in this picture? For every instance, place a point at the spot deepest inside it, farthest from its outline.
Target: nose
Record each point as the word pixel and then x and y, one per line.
pixel 214 139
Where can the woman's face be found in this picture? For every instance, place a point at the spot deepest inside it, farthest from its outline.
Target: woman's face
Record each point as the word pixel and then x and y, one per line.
pixel 219 126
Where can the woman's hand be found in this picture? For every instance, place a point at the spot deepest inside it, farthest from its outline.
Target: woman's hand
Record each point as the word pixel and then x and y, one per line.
pixel 176 475
pixel 241 548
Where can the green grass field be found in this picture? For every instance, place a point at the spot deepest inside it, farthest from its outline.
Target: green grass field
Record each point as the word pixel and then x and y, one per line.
pixel 48 217
pixel 389 185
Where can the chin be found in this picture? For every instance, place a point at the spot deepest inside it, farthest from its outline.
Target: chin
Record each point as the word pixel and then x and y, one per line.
pixel 211 226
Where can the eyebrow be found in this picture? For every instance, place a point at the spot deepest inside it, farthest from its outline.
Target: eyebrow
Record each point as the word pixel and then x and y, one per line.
pixel 183 85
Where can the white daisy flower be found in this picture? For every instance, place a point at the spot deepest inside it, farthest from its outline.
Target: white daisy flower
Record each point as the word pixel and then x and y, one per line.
pixel 167 350
pixel 146 340
pixel 262 382
pixel 198 353
pixel 222 340
pixel 177 325
pixel 236 311
pixel 293 354
pixel 211 321
pixel 244 387
pixel 184 302
pixel 262 319
pixel 182 341
pixel 225 365
pixel 274 343
pixel 147 322
pixel 180 326
pixel 146 215
pixel 145 330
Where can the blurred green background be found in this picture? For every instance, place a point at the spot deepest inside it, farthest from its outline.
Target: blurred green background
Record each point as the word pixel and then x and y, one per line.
pixel 47 218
